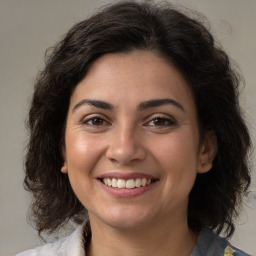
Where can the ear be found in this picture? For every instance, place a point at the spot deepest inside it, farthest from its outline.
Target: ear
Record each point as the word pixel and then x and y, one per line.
pixel 207 152
pixel 64 168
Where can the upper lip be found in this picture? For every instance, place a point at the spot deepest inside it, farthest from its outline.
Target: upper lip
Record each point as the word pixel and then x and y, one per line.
pixel 126 175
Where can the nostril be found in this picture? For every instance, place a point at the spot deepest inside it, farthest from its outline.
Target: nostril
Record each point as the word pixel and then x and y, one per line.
pixel 125 151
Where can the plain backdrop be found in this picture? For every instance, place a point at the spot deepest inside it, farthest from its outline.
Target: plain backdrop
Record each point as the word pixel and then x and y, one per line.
pixel 28 28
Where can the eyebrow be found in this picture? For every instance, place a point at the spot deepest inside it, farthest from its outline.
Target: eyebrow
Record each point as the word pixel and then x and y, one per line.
pixel 95 103
pixel 159 102
pixel 142 106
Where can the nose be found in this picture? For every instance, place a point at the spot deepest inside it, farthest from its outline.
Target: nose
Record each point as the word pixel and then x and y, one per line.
pixel 126 146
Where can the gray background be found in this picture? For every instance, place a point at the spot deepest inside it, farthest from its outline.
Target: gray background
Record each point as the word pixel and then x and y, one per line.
pixel 27 28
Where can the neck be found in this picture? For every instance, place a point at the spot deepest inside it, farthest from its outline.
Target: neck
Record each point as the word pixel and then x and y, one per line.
pixel 159 239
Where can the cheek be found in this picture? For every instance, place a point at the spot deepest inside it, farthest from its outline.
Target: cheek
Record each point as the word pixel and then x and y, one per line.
pixel 177 156
pixel 83 156
pixel 178 148
pixel 83 153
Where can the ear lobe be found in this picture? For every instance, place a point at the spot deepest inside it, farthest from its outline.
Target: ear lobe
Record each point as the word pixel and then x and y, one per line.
pixel 64 168
pixel 207 152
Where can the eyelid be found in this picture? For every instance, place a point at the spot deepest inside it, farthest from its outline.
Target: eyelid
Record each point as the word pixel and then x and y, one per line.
pixel 160 115
pixel 172 121
pixel 89 117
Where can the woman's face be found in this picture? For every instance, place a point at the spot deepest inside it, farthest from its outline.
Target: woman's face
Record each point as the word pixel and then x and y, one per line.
pixel 132 120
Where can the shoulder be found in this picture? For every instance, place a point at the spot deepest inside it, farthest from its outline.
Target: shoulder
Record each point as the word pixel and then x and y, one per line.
pixel 55 248
pixel 71 245
pixel 210 244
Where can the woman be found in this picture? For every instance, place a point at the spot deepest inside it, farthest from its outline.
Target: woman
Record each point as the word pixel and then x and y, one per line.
pixel 135 123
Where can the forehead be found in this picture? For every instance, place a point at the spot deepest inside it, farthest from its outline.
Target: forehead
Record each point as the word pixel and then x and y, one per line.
pixel 133 77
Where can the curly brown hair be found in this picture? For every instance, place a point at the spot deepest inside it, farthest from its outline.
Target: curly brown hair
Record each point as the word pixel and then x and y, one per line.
pixel 183 41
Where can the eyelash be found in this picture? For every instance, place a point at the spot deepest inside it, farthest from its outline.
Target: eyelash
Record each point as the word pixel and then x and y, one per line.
pixel 167 122
pixel 91 119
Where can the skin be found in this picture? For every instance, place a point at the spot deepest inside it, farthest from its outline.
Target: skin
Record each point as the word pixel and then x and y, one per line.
pixel 161 141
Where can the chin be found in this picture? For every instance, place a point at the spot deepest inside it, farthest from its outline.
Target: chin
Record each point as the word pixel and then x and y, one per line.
pixel 124 219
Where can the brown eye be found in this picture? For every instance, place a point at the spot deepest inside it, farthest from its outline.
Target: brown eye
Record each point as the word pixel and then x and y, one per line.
pixel 96 121
pixel 159 121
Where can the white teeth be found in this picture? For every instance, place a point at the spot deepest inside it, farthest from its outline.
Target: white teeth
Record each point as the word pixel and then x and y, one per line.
pixel 114 183
pixel 120 183
pixel 138 183
pixel 144 182
pixel 131 183
pixel 109 182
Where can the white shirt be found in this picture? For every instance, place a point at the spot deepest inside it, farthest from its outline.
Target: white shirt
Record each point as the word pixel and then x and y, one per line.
pixel 72 245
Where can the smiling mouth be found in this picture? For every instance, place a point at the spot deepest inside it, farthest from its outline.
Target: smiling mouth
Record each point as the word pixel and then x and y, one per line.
pixel 130 183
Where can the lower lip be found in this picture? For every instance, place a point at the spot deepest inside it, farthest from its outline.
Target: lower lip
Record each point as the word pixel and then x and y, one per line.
pixel 126 192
